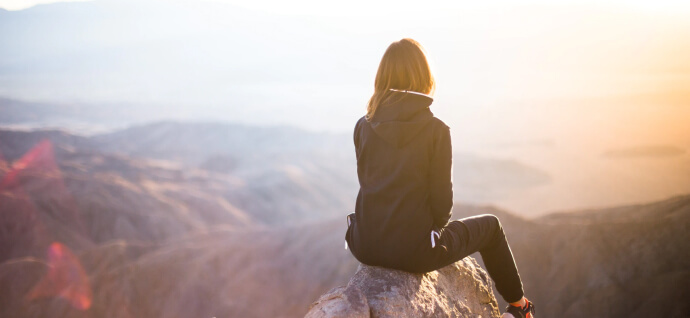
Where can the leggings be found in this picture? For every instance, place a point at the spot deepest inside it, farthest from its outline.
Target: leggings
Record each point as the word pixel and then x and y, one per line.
pixel 484 234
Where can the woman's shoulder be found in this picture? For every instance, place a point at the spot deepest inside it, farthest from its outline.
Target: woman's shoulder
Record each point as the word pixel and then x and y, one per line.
pixel 439 124
pixel 359 123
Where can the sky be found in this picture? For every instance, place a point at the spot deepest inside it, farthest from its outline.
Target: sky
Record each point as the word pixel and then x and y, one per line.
pixel 555 86
pixel 363 7
pixel 483 55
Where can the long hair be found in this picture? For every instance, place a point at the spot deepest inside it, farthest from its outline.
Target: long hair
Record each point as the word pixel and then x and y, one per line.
pixel 403 67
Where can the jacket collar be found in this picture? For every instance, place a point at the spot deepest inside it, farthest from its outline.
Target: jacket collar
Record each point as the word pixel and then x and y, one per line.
pixel 401 117
pixel 401 106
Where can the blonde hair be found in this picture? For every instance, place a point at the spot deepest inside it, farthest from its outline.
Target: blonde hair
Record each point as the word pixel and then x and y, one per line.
pixel 403 67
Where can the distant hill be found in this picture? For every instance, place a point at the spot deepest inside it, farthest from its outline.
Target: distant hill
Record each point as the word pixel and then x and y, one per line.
pixel 299 175
pixel 647 151
pixel 571 268
pixel 87 198
pixel 161 237
pixel 627 261
pixel 192 143
pixel 86 117
pixel 252 150
pixel 292 187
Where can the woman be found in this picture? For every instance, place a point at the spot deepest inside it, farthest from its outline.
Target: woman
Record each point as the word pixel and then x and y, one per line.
pixel 405 197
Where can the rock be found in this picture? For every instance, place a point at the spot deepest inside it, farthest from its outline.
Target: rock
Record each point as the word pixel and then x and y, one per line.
pixel 462 289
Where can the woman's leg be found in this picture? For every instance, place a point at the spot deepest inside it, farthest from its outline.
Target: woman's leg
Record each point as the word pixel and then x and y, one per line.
pixel 484 234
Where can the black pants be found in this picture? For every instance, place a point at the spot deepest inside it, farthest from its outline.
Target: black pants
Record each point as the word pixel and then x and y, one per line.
pixel 484 234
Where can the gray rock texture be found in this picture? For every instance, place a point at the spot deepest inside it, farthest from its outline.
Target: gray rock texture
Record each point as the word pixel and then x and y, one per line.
pixel 462 289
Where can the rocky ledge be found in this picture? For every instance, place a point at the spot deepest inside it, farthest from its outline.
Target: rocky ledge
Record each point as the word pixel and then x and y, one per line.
pixel 462 289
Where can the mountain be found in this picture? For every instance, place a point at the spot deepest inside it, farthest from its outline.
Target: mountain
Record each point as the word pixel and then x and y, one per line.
pixel 293 186
pixel 627 261
pixel 192 143
pixel 263 152
pixel 299 175
pixel 66 207
pixel 87 230
pixel 224 273
pixel 82 117
pixel 64 188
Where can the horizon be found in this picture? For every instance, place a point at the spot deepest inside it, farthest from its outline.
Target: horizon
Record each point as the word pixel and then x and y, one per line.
pixel 549 86
pixel 497 56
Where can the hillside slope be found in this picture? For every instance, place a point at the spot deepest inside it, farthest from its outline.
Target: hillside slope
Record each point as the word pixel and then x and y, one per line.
pixel 630 261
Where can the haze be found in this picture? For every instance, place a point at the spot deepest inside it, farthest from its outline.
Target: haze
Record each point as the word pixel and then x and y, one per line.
pixel 557 87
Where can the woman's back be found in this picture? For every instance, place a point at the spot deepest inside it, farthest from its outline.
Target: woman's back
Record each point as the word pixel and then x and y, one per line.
pixel 403 164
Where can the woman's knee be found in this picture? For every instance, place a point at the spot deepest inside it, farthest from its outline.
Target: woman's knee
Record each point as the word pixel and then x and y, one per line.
pixel 490 218
pixel 494 222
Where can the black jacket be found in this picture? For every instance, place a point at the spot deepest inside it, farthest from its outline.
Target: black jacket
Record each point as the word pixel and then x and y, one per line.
pixel 404 169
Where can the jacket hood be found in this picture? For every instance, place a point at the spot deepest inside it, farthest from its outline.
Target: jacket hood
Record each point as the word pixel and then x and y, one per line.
pixel 398 120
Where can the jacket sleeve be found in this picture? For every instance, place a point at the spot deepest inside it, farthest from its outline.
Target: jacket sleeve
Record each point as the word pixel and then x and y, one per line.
pixel 441 178
pixel 355 137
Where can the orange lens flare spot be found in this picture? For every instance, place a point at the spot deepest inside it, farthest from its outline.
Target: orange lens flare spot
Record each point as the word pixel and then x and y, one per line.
pixel 66 279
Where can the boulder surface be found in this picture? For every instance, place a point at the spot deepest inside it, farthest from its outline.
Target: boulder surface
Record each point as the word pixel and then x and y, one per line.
pixel 462 289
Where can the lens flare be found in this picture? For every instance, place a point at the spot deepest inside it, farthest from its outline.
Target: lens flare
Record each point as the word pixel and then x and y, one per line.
pixel 39 158
pixel 38 175
pixel 65 278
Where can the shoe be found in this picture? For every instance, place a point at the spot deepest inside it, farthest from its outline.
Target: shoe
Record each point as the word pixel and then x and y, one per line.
pixel 520 312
